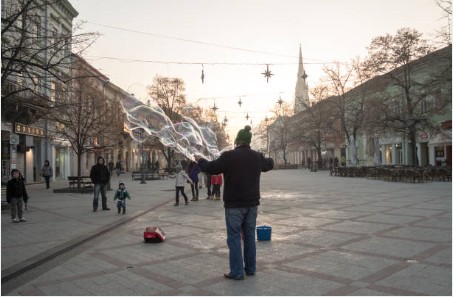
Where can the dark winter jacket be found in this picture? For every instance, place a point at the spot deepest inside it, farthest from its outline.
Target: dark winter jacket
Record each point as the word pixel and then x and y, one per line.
pixel 241 168
pixel 193 172
pixel 121 194
pixel 100 174
pixel 16 188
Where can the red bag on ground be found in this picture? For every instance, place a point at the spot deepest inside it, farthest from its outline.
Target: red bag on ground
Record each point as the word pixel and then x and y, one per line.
pixel 153 235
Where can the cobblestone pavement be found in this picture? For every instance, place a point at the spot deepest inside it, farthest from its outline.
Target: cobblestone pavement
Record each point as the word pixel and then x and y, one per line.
pixel 330 236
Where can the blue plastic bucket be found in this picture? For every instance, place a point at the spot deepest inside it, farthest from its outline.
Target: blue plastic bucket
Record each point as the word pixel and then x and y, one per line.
pixel 264 233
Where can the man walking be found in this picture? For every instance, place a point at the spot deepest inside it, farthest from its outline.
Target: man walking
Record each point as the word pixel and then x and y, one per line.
pixel 241 168
pixel 100 176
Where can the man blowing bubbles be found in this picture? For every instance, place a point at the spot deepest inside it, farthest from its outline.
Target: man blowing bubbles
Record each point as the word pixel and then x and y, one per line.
pixel 241 168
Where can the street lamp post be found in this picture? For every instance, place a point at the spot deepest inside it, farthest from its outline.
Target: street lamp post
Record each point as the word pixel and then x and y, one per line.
pixel 143 158
pixel 267 137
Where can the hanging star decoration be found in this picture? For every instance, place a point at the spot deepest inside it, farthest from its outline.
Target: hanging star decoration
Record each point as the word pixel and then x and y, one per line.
pixel 240 102
pixel 202 74
pixel 247 116
pixel 214 108
pixel 267 74
pixel 280 102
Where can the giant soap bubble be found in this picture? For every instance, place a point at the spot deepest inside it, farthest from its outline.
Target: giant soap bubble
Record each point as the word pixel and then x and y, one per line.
pixel 186 137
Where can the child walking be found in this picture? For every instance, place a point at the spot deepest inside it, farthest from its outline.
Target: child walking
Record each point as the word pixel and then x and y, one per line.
pixel 15 195
pixel 216 181
pixel 181 178
pixel 121 194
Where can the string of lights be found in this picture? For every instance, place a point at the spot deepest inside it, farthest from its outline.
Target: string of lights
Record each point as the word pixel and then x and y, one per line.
pixel 245 114
pixel 128 60
pixel 202 43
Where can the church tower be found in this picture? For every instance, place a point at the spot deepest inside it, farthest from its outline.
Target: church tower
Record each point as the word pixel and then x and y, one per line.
pixel 301 100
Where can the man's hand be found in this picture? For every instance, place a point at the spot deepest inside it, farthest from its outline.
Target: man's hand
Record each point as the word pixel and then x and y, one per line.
pixel 197 157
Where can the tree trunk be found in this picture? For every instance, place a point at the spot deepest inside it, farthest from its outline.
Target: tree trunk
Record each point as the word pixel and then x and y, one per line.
pixel 352 145
pixel 413 145
pixel 319 152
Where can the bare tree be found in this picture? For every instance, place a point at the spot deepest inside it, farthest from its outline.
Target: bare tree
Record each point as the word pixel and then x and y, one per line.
pixel 83 117
pixel 280 129
pixel 317 124
pixel 391 56
pixel 445 31
pixel 341 79
pixel 33 56
pixel 169 95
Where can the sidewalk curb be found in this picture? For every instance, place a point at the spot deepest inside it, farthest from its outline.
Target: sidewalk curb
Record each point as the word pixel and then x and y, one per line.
pixel 12 273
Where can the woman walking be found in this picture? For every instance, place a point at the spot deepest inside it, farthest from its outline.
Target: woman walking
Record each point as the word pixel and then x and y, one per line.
pixel 47 172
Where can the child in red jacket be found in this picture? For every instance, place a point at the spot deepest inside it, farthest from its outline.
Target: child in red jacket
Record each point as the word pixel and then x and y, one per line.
pixel 216 182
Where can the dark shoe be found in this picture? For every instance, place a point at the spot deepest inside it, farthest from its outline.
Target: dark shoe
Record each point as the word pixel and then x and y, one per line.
pixel 250 273
pixel 176 204
pixel 193 199
pixel 119 211
pixel 235 277
pixel 124 212
pixel 94 210
pixel 187 202
pixel 106 208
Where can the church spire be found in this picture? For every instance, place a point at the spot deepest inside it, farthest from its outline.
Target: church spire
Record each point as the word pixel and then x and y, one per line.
pixel 301 100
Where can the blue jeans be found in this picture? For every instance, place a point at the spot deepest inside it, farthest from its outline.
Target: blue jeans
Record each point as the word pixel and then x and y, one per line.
pixel 99 188
pixel 237 220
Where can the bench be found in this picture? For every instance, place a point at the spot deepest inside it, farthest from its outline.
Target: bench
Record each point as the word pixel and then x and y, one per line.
pixel 148 175
pixel 84 181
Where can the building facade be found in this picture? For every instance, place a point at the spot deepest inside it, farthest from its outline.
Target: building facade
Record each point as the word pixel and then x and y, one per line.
pixel 317 135
pixel 37 36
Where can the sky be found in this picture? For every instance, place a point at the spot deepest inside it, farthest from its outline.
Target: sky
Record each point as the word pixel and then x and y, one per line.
pixel 234 41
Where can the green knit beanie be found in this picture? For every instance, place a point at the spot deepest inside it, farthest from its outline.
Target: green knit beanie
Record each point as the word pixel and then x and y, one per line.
pixel 244 136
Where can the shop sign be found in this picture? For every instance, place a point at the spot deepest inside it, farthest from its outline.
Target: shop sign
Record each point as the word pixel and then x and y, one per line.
pixel 29 130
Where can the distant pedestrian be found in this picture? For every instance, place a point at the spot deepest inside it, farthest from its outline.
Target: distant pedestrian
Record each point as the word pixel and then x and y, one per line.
pixel 111 167
pixel 100 176
pixel 118 168
pixel 216 182
pixel 207 178
pixel 181 178
pixel 121 194
pixel 242 169
pixel 193 171
pixel 16 194
pixel 47 173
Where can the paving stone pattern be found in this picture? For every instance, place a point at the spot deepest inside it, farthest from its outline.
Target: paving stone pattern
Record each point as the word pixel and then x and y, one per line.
pixel 330 236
